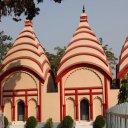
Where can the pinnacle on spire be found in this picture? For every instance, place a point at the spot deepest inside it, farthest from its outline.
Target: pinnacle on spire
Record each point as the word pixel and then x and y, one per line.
pixel 83 9
pixel 28 23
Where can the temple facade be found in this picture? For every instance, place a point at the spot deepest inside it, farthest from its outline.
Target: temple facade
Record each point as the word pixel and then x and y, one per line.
pixel 29 88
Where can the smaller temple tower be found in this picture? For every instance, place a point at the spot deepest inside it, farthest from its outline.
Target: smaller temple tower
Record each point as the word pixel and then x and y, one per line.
pixel 123 61
pixel 26 80
pixel 84 75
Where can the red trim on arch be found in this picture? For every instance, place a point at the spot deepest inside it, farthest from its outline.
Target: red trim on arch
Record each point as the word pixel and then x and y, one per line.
pixel 45 61
pixel 125 48
pixel 88 32
pixel 123 71
pixel 79 54
pixel 122 60
pixel 22 68
pixel 24 49
pixel 95 41
pixel 87 27
pixel 84 64
pixel 22 57
pixel 89 46
pixel 22 43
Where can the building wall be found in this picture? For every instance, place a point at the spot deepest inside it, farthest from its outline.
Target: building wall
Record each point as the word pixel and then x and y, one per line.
pixel 50 107
pixel 84 78
pixel 15 87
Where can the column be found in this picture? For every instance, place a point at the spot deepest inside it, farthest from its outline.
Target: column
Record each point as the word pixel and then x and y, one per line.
pixel 26 104
pixel 13 106
pixel 91 105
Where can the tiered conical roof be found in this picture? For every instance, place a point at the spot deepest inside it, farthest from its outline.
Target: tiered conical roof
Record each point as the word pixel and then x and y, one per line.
pixel 123 60
pixel 28 53
pixel 84 48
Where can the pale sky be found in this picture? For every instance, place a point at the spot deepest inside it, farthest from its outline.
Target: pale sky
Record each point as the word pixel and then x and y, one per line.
pixel 57 22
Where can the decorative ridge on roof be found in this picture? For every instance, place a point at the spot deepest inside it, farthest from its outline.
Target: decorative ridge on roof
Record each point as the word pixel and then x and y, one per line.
pixel 28 51
pixel 84 42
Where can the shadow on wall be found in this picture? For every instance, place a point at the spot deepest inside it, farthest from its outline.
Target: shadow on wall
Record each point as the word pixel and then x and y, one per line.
pixel 13 77
pixel 51 86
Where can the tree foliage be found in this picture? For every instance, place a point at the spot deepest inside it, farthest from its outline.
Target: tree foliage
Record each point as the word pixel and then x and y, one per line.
pixel 16 8
pixel 55 58
pixel 67 122
pixel 123 93
pixel 49 123
pixel 99 122
pixel 31 122
pixel 110 55
pixel 5 122
pixel 5 44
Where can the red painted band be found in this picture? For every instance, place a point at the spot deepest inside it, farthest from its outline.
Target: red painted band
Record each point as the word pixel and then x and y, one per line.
pixel 24 49
pixel 122 72
pixel 122 60
pixel 84 93
pixel 27 31
pixel 20 95
pixel 22 68
pixel 77 40
pixel 21 90
pixel 83 17
pixel 88 32
pixel 84 88
pixel 84 46
pixel 84 64
pixel 24 43
pixel 87 27
pixel 25 36
pixel 23 57
pixel 83 20
pixel 86 54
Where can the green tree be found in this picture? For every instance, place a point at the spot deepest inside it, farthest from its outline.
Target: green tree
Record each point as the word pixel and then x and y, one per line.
pixel 49 123
pixel 5 122
pixel 112 59
pixel 123 93
pixel 16 8
pixel 67 122
pixel 55 58
pixel 99 122
pixel 5 44
pixel 31 122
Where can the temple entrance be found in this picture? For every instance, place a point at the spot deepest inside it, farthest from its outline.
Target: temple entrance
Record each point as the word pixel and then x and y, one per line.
pixel 21 111
pixel 84 110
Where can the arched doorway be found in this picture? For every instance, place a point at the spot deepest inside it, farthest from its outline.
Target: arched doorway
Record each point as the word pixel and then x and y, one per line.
pixel 84 110
pixel 21 111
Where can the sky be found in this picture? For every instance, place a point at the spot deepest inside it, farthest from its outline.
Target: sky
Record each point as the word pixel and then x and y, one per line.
pixel 56 23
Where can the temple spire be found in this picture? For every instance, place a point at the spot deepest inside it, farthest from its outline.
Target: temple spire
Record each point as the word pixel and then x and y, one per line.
pixel 83 9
